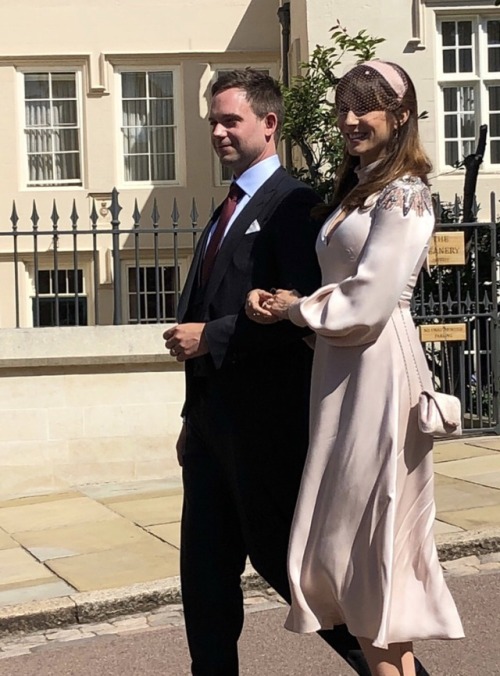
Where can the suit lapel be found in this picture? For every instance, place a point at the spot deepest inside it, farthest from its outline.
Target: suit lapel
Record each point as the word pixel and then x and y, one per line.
pixel 237 231
pixel 194 270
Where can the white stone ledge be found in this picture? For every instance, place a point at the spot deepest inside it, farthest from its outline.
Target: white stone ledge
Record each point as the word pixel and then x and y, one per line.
pixel 85 346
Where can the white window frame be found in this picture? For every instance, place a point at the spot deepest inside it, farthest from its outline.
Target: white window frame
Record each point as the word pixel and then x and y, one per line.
pixel 64 262
pixel 26 183
pixel 479 79
pixel 146 259
pixel 178 124
pixel 218 170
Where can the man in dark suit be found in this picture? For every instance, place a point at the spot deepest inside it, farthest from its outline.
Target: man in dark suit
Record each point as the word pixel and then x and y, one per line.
pixel 244 437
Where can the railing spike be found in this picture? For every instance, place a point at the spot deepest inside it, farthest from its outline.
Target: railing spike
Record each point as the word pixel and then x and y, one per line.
pixel 136 214
pixel 34 216
pixel 94 216
pixel 194 213
pixel 155 214
pixel 54 216
pixel 175 215
pixel 74 216
pixel 14 217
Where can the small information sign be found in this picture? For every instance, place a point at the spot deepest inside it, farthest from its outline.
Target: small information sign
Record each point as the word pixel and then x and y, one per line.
pixel 447 248
pixel 437 333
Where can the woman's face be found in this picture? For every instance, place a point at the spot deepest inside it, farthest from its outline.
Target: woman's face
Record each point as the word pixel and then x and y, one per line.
pixel 367 134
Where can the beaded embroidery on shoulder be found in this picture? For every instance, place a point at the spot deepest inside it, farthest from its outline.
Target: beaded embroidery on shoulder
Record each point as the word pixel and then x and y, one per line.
pixel 408 193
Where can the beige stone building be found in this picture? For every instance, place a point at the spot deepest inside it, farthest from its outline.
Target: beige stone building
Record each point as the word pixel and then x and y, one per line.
pixel 103 95
pixel 451 49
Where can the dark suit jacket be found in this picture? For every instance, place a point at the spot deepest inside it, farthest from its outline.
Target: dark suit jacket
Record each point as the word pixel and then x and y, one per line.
pixel 280 255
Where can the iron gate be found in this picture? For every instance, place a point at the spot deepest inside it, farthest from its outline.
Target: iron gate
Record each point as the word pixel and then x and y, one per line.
pixel 466 294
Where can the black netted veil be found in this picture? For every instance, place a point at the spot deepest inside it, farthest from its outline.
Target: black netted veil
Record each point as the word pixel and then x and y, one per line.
pixel 373 85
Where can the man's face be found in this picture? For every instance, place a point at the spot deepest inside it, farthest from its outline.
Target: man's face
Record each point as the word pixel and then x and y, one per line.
pixel 239 137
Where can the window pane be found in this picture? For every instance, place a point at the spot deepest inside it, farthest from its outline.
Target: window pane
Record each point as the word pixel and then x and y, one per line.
pixel 494 59
pixel 65 139
pixel 494 97
pixel 43 281
pixel 448 32
pixel 495 152
pixel 163 167
pixel 150 279
pixel 134 85
pixel 465 60
pixel 450 126
pixel 465 33
pixel 493 32
pixel 134 113
pixel 135 141
pixel 495 125
pixel 36 86
pixel 451 152
pixel 467 126
pixel 161 112
pixel 169 307
pixel 67 166
pixel 64 112
pixel 136 168
pixel 71 281
pixel 467 98
pixel 449 61
pixel 38 114
pixel 39 140
pixel 169 278
pixel 63 86
pixel 40 167
pixel 161 85
pixel 450 98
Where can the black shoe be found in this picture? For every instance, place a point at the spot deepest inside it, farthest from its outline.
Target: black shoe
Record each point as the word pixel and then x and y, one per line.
pixel 419 669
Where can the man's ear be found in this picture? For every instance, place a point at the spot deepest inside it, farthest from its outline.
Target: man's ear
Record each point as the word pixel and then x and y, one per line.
pixel 271 122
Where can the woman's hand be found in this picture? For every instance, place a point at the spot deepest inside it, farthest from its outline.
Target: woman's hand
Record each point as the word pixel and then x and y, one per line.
pixel 279 303
pixel 255 307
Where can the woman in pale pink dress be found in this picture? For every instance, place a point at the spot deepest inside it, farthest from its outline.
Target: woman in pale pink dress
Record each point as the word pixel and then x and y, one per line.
pixel 362 550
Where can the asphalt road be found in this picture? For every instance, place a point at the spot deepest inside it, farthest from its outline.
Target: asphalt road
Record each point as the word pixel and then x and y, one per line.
pixel 268 650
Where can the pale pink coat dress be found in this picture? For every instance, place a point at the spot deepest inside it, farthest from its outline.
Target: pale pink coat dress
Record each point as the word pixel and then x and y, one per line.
pixel 362 549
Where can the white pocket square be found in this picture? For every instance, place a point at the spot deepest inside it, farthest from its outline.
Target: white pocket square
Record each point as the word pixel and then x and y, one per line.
pixel 253 227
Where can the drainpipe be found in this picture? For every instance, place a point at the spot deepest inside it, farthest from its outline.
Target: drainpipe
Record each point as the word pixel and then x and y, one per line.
pixel 284 19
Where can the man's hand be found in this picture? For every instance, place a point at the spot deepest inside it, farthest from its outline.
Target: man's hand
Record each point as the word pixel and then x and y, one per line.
pixel 180 446
pixel 255 307
pixel 186 341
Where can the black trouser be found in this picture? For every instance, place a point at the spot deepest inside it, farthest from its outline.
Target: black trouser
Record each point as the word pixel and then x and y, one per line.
pixel 234 506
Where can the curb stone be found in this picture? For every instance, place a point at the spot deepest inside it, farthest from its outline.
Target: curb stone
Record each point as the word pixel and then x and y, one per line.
pixel 86 607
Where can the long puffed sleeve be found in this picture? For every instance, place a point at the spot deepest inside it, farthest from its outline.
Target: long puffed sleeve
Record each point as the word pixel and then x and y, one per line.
pixel 355 311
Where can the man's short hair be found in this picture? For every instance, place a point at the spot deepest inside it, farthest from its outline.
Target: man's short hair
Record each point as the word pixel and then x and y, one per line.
pixel 262 91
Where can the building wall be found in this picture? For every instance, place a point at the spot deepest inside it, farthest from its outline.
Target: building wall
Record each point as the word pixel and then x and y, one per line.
pixel 194 37
pixel 94 405
pixel 411 39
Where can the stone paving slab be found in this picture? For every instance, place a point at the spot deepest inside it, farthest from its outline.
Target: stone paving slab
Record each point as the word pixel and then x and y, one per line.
pixel 441 528
pixel 458 450
pixel 6 541
pixel 40 592
pixel 469 467
pixel 452 494
pixel 149 511
pixel 81 538
pixel 168 532
pixel 121 566
pixel 52 514
pixel 485 442
pixel 18 568
pixel 473 519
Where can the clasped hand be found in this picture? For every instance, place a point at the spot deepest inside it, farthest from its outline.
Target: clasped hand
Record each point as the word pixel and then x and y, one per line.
pixel 265 307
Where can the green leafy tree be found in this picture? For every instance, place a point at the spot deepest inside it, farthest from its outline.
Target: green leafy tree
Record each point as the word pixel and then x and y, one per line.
pixel 310 123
